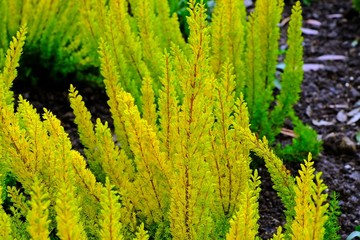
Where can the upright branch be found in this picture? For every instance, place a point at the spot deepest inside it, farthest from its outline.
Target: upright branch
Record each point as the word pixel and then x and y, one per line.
pixel 293 72
pixel 168 111
pixel 9 72
pixel 192 183
pixel 244 224
pixel 310 205
pixel 228 159
pixel 111 80
pixel 261 58
pixel 228 31
pixel 5 221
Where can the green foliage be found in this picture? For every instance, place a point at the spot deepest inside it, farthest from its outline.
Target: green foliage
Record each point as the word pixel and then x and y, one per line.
pixel 252 47
pixel 356 4
pixel 306 139
pixel 291 81
pixel 332 224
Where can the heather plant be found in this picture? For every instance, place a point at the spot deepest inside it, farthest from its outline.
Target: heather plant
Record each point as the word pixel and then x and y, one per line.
pixel 178 170
pixel 137 33
pixel 250 43
pixel 332 225
pixel 53 41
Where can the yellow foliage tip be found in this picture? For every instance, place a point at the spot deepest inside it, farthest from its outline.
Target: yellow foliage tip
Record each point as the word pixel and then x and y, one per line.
pixel 148 100
pixel 38 215
pixel 311 203
pixel 5 222
pixel 244 224
pixel 110 226
pixel 278 235
pixel 13 56
pixel 82 119
pixel 68 214
pixel 197 25
pixel 141 234
pixel 5 226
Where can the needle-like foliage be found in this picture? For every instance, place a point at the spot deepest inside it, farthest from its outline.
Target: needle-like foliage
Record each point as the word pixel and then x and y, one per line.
pixel 134 35
pixel 180 165
pixel 5 222
pixel 38 215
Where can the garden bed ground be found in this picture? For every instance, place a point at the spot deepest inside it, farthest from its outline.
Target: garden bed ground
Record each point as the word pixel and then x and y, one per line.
pixel 330 101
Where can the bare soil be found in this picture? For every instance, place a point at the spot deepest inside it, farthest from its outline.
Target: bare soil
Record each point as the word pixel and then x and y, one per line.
pixel 330 102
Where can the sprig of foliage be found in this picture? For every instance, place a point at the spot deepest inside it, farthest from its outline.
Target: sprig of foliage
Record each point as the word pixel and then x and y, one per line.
pixel 38 215
pixel 5 222
pixel 244 224
pixel 332 224
pixel 310 214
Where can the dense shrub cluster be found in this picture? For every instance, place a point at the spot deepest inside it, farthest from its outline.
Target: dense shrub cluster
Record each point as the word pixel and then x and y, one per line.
pixel 177 165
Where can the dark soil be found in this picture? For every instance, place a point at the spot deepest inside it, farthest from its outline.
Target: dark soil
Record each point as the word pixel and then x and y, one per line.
pixel 329 96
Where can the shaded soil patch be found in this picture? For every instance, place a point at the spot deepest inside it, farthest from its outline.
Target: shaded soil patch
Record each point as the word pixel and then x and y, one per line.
pixel 330 94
